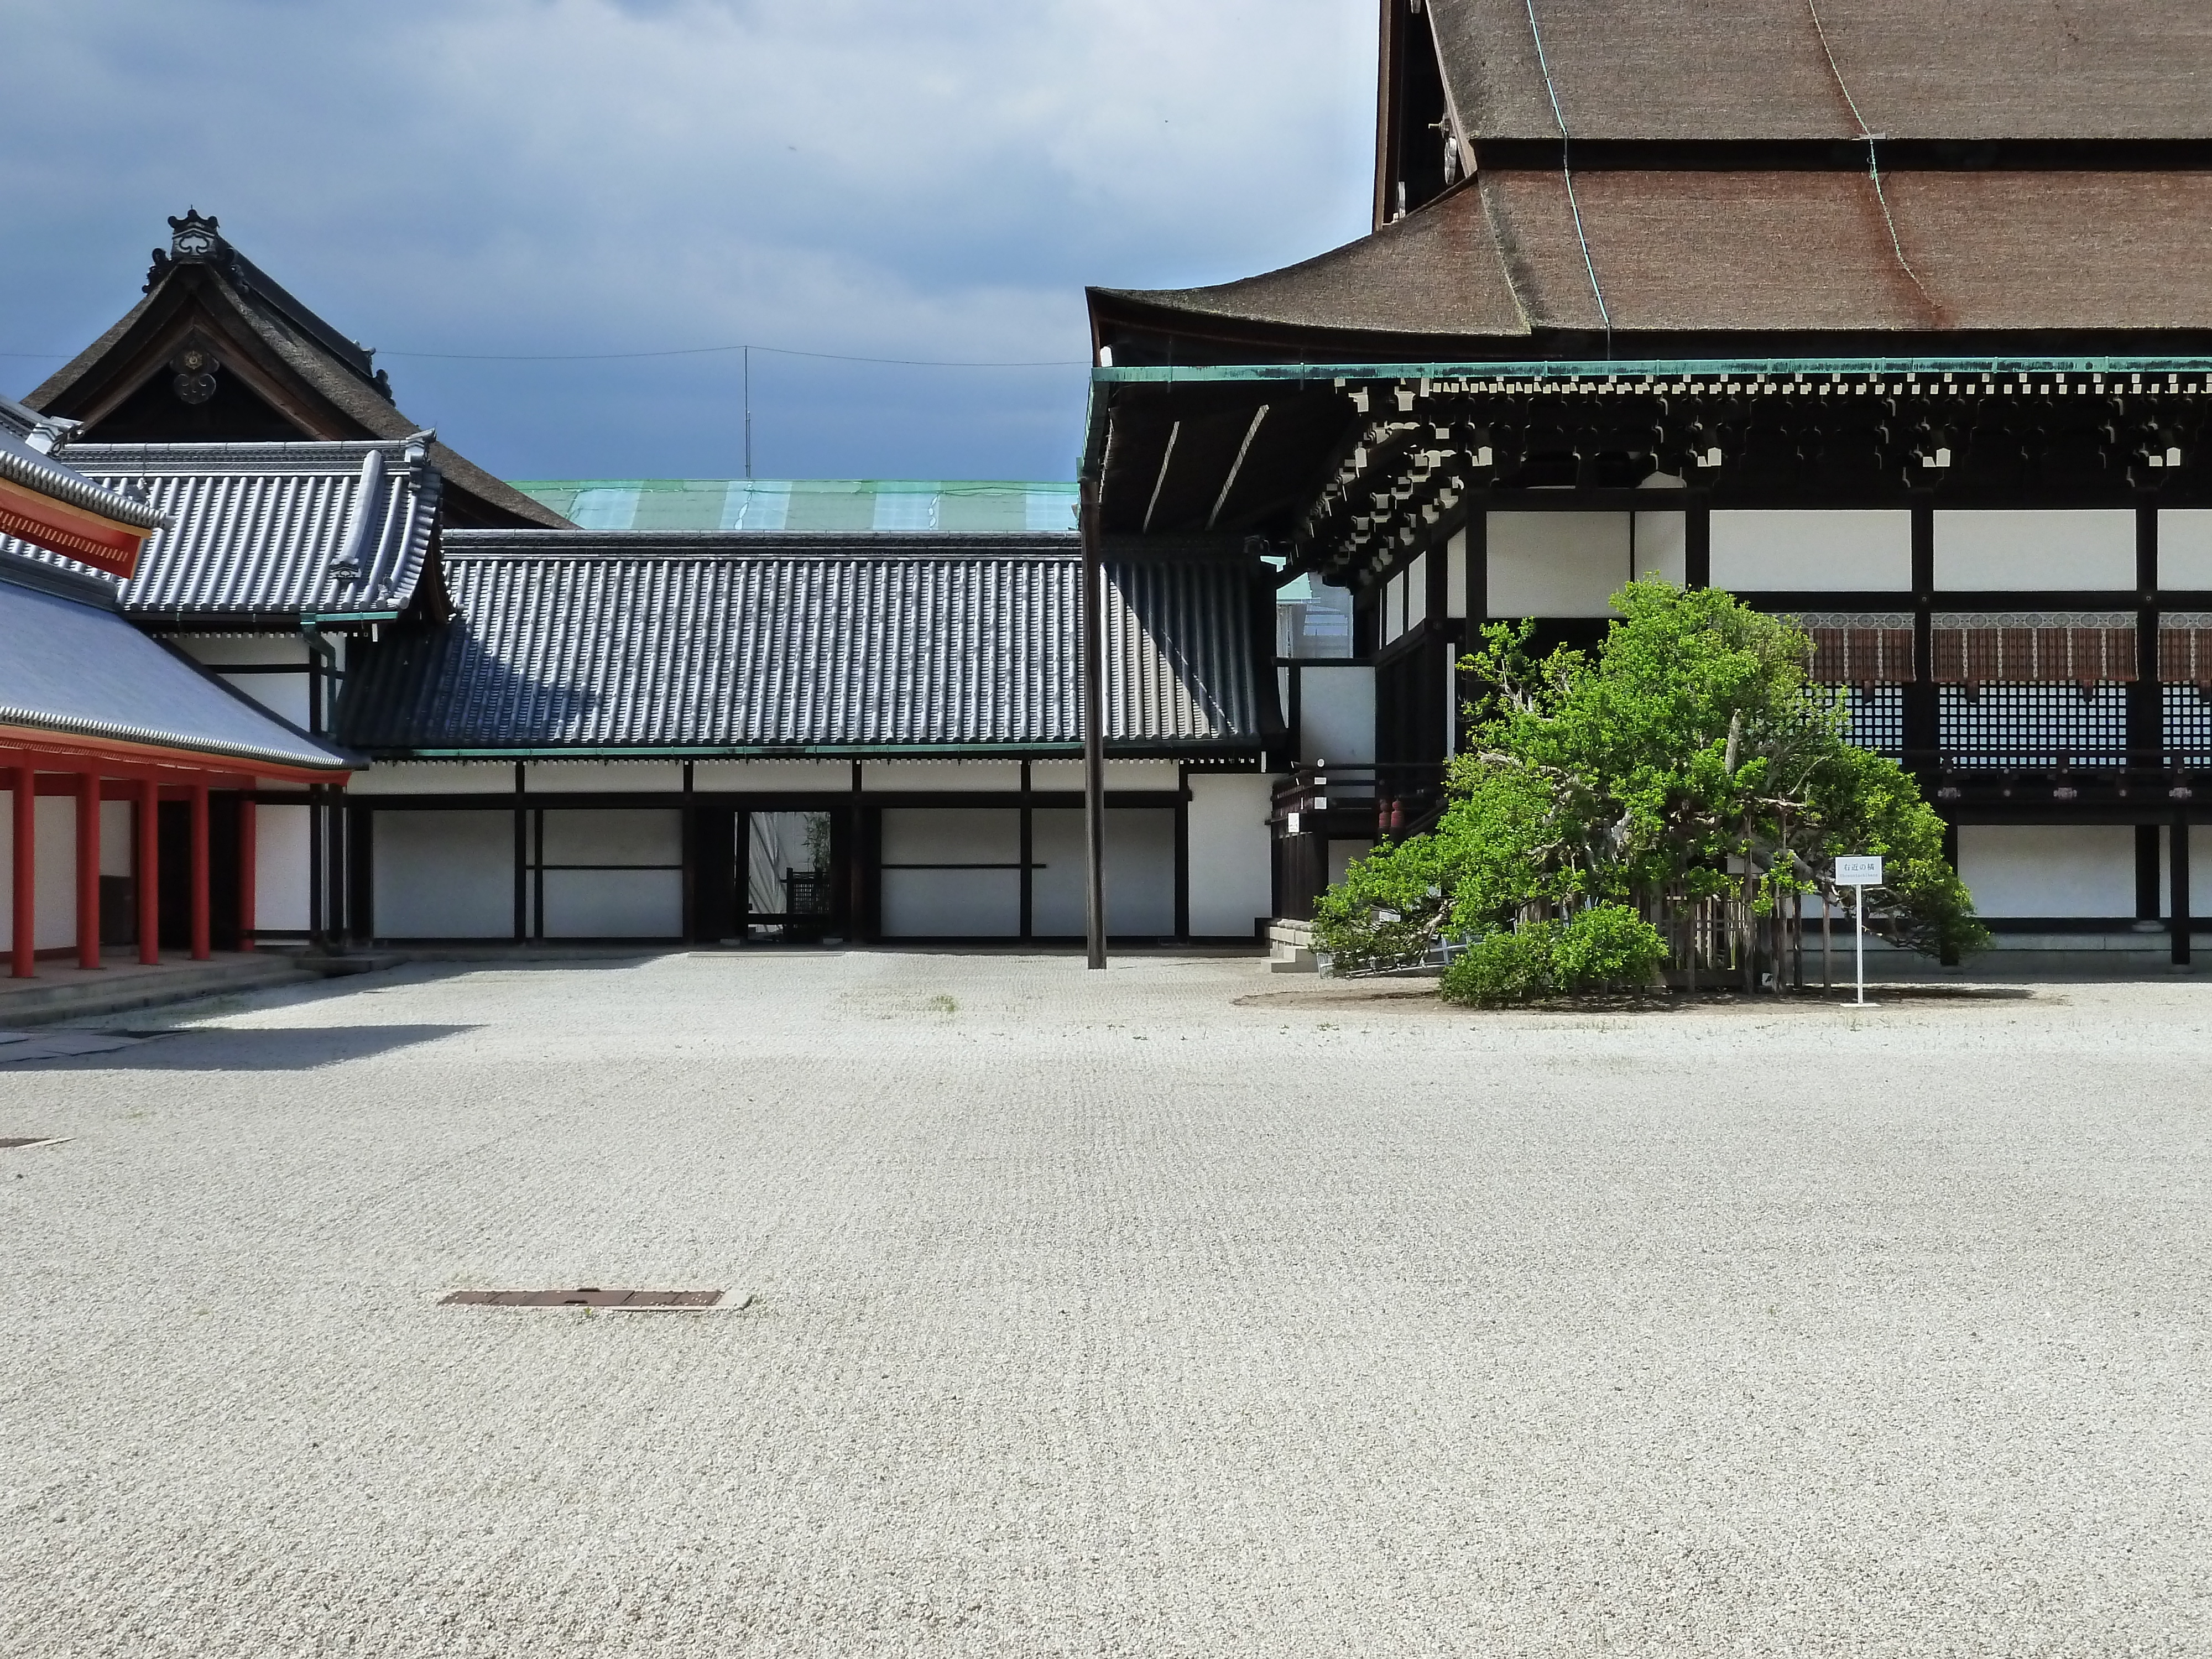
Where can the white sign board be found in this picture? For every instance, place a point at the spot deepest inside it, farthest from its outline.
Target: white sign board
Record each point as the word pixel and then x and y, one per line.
pixel 1862 873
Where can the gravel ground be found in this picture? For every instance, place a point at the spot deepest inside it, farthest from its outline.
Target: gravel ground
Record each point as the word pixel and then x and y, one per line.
pixel 1175 1311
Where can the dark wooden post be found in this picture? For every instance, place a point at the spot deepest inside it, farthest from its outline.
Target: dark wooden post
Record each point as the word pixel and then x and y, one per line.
pixel 2178 857
pixel 202 912
pixel 1094 732
pixel 148 873
pixel 88 869
pixel 26 941
pixel 248 867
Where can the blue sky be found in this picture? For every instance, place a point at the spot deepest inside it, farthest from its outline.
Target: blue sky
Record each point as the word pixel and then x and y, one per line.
pixel 911 180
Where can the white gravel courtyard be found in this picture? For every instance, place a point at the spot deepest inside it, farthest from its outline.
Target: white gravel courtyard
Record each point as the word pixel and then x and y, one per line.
pixel 1178 1310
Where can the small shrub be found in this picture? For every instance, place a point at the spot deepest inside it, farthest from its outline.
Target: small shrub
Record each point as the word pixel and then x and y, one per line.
pixel 1503 966
pixel 1606 947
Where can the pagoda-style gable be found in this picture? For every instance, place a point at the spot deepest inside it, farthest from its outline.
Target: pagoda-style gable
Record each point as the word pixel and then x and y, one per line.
pixel 218 353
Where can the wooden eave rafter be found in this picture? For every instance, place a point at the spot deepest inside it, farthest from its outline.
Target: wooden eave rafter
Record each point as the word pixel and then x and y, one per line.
pixel 115 757
pixel 75 532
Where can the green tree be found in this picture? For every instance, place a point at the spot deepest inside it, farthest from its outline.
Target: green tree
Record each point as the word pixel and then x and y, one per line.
pixel 1686 771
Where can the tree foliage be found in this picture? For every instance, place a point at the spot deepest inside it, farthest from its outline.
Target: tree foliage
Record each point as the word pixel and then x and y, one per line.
pixel 1688 762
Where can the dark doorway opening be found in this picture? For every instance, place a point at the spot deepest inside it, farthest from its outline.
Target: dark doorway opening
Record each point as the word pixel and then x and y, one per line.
pixel 174 862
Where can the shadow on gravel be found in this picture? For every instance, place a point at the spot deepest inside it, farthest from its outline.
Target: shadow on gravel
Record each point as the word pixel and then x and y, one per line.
pixel 298 1049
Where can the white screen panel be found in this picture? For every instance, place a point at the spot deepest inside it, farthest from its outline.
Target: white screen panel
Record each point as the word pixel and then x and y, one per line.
pixel 2012 550
pixel 1796 551
pixel 1231 853
pixel 1557 564
pixel 281 869
pixel 613 836
pixel 2049 870
pixel 613 903
pixel 444 875
pixel 1336 714
pixel 2185 547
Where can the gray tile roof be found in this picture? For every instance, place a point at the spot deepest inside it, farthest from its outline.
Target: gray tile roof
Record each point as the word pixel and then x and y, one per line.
pixel 722 644
pixel 269 533
pixel 73 667
pixel 22 462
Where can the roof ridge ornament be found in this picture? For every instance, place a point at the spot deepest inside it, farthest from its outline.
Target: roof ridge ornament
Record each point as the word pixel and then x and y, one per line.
pixel 194 239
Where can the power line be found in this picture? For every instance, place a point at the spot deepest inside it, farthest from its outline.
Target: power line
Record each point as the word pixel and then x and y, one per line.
pixel 684 352
pixel 705 351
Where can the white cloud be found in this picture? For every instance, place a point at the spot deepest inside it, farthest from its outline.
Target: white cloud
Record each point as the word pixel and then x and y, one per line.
pixel 860 176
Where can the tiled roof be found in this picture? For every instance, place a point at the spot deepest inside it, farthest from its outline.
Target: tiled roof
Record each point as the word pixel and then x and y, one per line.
pixel 22 462
pixel 738 644
pixel 1703 252
pixel 273 532
pixel 837 505
pixel 1757 69
pixel 73 667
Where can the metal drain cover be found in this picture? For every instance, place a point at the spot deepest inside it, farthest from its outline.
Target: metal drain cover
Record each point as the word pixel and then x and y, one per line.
pixel 589 1296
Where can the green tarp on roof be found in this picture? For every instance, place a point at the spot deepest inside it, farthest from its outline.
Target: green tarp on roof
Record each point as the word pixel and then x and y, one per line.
pixel 848 506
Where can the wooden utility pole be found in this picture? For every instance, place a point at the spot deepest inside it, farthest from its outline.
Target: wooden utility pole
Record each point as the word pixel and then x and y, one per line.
pixel 1094 731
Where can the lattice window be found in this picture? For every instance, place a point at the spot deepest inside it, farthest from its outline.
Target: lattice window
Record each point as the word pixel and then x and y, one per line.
pixel 1877 715
pixel 2188 725
pixel 2012 725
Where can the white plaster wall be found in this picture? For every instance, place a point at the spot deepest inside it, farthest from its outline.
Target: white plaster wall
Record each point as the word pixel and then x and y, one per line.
pixel 611 904
pixel 2184 547
pixel 1139 872
pixel 1341 855
pixel 223 650
pixel 1662 546
pixel 445 875
pixel 56 889
pixel 781 776
pixel 603 777
pixel 1336 714
pixel 115 822
pixel 1455 574
pixel 1390 616
pixel 282 873
pixel 435 778
pixel 1803 550
pixel 941 777
pixel 1415 598
pixel 952 903
pixel 1232 854
pixel 1557 564
pixel 1120 775
pixel 2049 870
pixel 609 835
pixel 284 696
pixel 2007 548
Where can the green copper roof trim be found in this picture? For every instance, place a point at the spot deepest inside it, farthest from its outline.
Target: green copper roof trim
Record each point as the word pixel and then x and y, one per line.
pixel 1655 370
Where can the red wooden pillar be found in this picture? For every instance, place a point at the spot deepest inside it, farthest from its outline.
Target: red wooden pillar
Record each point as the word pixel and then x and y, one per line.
pixel 25 943
pixel 88 869
pixel 201 950
pixel 247 851
pixel 149 873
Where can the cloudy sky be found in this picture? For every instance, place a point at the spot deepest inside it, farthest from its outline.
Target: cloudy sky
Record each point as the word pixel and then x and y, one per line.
pixel 891 178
